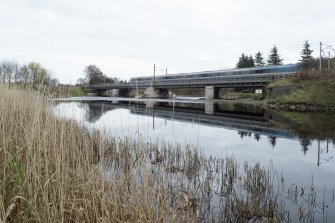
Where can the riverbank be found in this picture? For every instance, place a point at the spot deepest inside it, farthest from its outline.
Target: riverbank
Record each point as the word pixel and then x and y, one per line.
pixel 304 92
pixel 56 170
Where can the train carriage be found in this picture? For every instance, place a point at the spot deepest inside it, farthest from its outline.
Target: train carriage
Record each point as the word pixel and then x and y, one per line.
pixel 285 69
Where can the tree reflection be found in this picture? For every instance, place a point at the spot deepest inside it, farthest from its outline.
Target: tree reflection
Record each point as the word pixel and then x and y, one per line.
pixel 257 136
pixel 272 140
pixel 305 143
pixel 94 112
pixel 244 134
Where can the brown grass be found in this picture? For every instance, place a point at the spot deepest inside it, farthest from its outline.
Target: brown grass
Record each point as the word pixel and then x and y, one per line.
pixel 55 170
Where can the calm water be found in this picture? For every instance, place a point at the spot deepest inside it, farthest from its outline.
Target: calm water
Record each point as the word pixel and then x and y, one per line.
pixel 300 149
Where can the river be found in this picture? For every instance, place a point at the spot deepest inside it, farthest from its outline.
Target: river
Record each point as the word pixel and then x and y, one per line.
pixel 299 145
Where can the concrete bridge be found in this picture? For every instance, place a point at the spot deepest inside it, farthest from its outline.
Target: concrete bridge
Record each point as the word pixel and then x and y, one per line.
pixel 212 81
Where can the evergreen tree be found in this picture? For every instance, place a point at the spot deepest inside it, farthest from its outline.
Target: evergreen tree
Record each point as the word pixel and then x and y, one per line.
pixel 274 57
pixel 241 61
pixel 245 61
pixel 306 54
pixel 251 61
pixel 259 60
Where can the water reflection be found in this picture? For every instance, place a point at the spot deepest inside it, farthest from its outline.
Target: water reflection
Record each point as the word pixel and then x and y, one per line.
pixel 299 145
pixel 247 119
pixel 305 143
pixel 250 122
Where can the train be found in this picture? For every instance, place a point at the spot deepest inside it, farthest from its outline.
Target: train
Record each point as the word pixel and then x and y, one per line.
pixel 290 68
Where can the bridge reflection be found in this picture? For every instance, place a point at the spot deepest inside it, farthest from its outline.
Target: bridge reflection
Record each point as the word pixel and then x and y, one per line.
pixel 243 118
pixel 249 121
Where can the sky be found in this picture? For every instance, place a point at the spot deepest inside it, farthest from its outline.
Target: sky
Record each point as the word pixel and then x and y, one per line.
pixel 125 38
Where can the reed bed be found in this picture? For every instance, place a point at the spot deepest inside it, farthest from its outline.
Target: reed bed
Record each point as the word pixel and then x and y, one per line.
pixel 55 170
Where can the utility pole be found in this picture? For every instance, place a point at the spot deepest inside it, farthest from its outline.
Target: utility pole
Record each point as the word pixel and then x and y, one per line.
pixel 154 75
pixel 320 57
pixel 328 61
pixel 165 71
pixel 318 152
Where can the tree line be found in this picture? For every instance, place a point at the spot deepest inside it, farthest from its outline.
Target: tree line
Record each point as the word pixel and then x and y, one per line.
pixel 93 75
pixel 275 59
pixel 31 73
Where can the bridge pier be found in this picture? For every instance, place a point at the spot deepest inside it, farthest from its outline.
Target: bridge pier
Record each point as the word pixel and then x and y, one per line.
pixel 151 92
pixel 115 93
pixel 209 108
pixel 210 92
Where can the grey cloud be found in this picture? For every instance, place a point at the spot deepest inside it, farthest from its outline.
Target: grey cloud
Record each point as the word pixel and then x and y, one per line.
pixel 127 37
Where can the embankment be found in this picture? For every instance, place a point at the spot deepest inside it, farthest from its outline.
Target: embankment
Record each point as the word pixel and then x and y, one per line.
pixel 305 92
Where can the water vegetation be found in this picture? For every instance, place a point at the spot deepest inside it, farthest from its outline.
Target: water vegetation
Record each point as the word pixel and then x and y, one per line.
pixel 56 170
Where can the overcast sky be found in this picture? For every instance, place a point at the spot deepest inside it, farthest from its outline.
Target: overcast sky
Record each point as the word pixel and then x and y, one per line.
pixel 125 38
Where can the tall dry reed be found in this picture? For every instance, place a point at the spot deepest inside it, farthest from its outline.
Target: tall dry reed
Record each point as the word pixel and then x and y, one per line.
pixel 55 170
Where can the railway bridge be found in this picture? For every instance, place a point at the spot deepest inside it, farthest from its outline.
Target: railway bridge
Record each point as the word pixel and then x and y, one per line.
pixel 158 86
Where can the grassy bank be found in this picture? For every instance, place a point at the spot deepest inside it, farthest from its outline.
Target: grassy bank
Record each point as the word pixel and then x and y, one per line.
pixel 55 170
pixel 309 88
pixel 64 91
pixel 59 91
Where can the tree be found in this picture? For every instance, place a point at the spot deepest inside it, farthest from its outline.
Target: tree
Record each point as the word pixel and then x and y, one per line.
pixel 259 60
pixel 274 57
pixel 245 61
pixel 9 71
pixel 251 61
pixel 33 73
pixel 81 81
pixel 25 74
pixel 306 54
pixel 94 75
pixel 37 73
pixel 241 61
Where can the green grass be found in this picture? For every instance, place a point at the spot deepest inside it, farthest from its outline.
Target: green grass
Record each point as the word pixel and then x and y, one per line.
pixel 311 89
pixel 242 95
pixel 77 91
pixel 282 82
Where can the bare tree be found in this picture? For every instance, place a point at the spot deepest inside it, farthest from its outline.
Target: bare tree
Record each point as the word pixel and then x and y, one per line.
pixel 9 71
pixel 25 75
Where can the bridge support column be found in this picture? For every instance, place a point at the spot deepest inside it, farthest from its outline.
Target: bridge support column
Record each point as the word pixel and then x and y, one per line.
pixel 115 93
pixel 151 92
pixel 209 108
pixel 210 92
